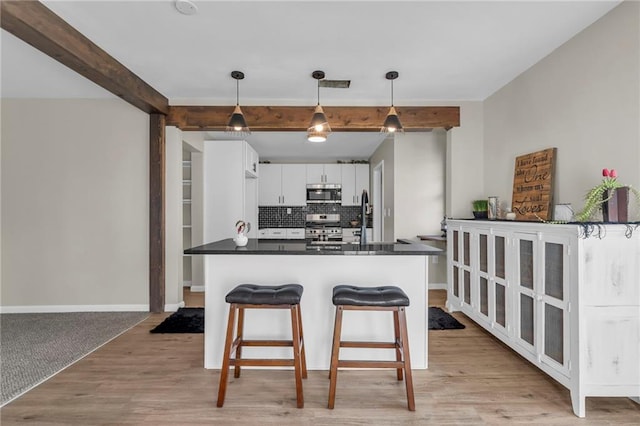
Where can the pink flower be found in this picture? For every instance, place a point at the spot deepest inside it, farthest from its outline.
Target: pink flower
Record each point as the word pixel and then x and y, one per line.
pixel 613 174
pixel 605 172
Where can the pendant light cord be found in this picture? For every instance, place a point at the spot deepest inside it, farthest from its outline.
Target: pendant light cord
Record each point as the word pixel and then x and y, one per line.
pixel 391 92
pixel 318 92
pixel 238 92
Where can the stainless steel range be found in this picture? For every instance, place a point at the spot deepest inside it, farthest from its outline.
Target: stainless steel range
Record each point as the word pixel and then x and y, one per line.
pixel 323 227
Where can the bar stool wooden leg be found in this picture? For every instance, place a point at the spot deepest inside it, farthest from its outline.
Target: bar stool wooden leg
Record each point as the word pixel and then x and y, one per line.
pixel 239 336
pixel 297 364
pixel 411 403
pixel 302 345
pixel 335 351
pixel 224 372
pixel 396 329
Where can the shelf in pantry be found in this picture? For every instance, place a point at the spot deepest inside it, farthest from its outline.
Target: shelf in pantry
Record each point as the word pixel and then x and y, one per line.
pixel 186 182
pixel 186 201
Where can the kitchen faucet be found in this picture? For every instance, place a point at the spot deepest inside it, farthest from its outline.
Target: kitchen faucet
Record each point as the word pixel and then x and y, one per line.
pixel 364 200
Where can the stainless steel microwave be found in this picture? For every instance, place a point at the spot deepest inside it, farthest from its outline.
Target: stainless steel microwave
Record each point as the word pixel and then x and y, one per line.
pixel 318 193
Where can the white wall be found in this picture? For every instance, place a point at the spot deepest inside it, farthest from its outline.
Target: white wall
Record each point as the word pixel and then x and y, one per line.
pixel 419 183
pixel 75 190
pixel 173 220
pixel 584 99
pixel 465 153
pixel 385 152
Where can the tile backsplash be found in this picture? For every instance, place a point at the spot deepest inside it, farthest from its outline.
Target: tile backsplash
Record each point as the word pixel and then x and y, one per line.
pixel 279 216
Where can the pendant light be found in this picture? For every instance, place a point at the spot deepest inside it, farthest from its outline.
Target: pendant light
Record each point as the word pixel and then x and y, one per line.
pixel 319 127
pixel 237 124
pixel 392 122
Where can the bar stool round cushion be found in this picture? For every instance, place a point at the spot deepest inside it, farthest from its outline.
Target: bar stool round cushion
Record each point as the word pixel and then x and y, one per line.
pixel 252 294
pixel 369 296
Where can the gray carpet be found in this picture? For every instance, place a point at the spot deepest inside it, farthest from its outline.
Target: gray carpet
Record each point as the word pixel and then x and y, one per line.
pixel 34 347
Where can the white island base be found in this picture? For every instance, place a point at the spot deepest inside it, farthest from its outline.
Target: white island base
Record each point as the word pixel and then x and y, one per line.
pixel 318 274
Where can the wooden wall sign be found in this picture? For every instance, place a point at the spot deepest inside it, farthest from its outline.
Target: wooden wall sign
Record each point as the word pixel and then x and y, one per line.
pixel 533 185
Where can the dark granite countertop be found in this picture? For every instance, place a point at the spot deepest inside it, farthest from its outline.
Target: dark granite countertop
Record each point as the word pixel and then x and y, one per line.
pixel 295 247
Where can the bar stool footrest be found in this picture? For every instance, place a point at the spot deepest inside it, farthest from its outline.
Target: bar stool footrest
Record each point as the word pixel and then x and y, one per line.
pixel 383 345
pixel 260 362
pixel 370 364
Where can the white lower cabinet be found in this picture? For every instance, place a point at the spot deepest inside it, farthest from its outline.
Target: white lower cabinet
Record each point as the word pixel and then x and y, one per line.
pixel 281 233
pixel 569 304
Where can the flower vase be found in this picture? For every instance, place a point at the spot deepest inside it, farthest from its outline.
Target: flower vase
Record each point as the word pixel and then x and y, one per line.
pixel 241 240
pixel 615 205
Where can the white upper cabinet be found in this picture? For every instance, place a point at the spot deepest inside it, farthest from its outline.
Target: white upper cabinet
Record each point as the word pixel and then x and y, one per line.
pixel 250 161
pixel 228 193
pixel 355 178
pixel 294 185
pixel 270 185
pixel 282 185
pixel 324 173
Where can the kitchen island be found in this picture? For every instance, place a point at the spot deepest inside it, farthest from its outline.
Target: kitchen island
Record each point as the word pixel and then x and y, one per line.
pixel 317 267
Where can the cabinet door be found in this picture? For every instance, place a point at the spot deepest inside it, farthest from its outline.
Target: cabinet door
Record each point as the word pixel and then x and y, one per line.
pixel 498 307
pixel 525 289
pixel 315 173
pixel 554 297
pixel 270 187
pixel 295 234
pixel 278 233
pixel 362 180
pixel 466 267
pixel 250 161
pixel 333 173
pixel 349 185
pixel 454 266
pixel 294 188
pixel 482 279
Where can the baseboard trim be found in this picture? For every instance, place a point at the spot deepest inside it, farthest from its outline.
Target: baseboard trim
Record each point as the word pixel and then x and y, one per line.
pixel 437 286
pixel 173 306
pixel 72 308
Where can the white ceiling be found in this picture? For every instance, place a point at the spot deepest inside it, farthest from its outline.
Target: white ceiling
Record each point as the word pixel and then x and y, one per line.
pixel 444 51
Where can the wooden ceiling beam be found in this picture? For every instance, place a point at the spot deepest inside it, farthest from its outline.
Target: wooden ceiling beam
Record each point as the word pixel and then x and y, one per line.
pixel 38 26
pixel 296 118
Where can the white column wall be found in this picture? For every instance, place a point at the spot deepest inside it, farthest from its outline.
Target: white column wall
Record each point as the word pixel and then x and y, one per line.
pixel 584 99
pixel 75 206
pixel 419 183
pixel 465 166
pixel 173 220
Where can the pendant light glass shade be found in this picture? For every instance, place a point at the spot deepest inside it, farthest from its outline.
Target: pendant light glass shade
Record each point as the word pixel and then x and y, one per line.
pixel 392 122
pixel 237 124
pixel 319 127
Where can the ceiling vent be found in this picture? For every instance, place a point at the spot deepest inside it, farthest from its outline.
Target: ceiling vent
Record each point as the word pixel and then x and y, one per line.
pixel 335 84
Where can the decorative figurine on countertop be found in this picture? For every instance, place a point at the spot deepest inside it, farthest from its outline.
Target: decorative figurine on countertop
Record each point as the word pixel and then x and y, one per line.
pixel 241 239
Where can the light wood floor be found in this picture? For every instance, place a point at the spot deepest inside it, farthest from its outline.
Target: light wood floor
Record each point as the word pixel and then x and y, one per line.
pixel 143 378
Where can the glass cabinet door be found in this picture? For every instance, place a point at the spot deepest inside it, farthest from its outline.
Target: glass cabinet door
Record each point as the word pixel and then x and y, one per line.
pixel 554 300
pixel 498 293
pixel 456 269
pixel 526 259
pixel 466 258
pixel 483 274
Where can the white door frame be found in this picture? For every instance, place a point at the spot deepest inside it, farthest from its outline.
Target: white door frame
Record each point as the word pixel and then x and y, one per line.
pixel 378 201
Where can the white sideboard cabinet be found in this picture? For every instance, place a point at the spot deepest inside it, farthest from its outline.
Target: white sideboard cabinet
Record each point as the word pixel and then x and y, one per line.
pixel 565 297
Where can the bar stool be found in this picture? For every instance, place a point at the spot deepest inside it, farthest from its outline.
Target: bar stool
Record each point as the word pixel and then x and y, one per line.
pixel 251 296
pixel 385 298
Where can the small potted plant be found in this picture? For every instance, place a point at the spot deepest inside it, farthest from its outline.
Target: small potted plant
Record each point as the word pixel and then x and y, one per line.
pixel 609 196
pixel 480 209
